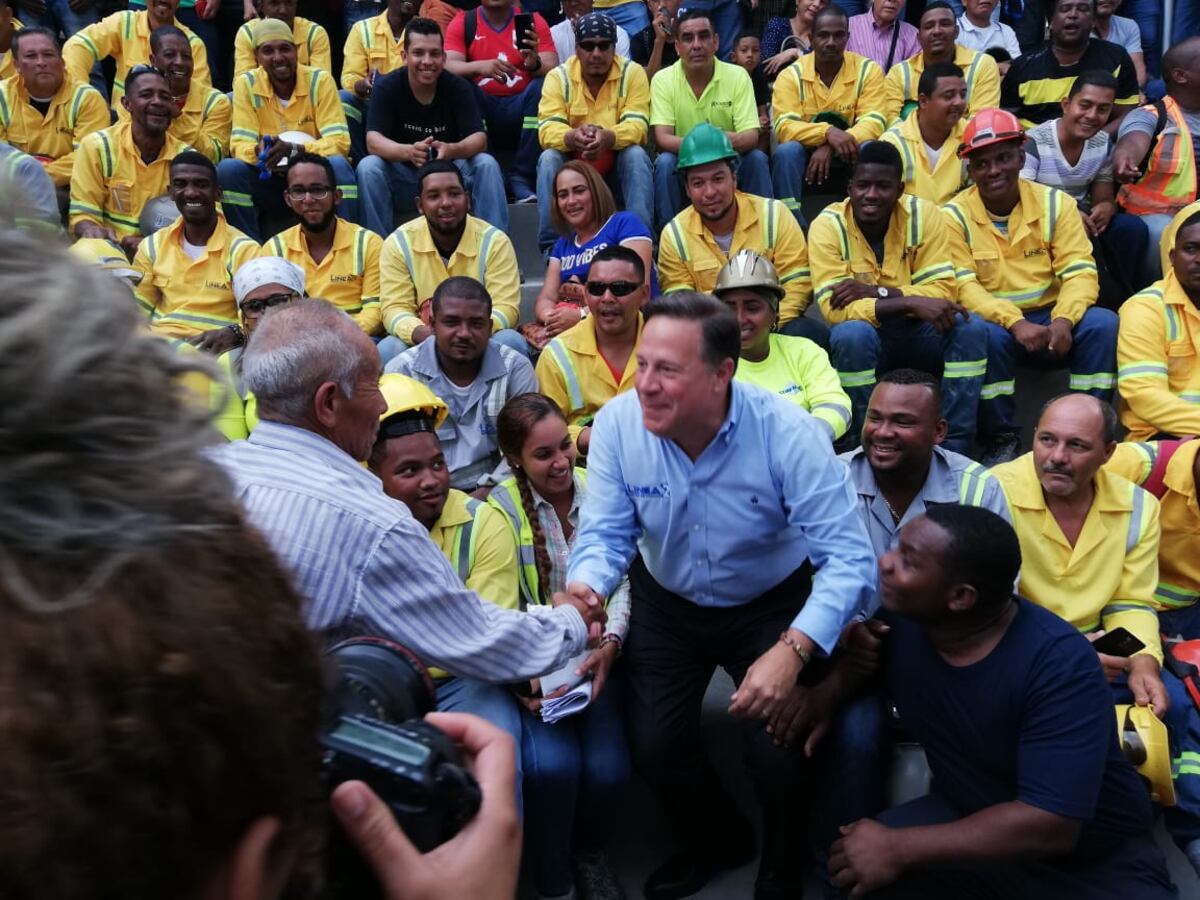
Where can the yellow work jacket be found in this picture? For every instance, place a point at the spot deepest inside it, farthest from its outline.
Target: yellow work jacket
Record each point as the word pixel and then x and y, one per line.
pixel 110 183
pixel 371 45
pixel 857 95
pixel 979 71
pixel 940 184
pixel 573 374
pixel 125 36
pixel 348 276
pixel 410 269
pixel 622 106
pixel 915 256
pixel 1046 260
pixel 314 109
pixel 76 111
pixel 1179 550
pixel 185 298
pixel 1107 580
pixel 312 47
pixel 1158 362
pixel 690 260
pixel 8 68
pixel 205 121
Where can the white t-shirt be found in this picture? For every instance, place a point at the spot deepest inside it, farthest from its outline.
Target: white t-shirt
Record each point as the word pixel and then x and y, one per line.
pixel 563 35
pixel 195 251
pixel 996 34
pixel 932 155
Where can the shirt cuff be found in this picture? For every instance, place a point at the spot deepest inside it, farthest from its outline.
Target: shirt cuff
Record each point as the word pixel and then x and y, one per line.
pixel 576 628
pixel 820 624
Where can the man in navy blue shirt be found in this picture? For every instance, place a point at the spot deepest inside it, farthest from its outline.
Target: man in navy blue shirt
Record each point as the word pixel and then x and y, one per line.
pixel 1031 795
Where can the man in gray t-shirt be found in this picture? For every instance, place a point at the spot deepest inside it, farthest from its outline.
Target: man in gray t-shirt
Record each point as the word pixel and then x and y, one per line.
pixel 1121 31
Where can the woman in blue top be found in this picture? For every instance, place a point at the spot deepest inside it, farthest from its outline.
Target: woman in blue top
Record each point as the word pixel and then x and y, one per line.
pixel 586 216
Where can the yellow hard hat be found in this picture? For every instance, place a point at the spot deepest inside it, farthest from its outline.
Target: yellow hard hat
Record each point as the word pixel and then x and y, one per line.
pixel 1143 740
pixel 105 255
pixel 404 394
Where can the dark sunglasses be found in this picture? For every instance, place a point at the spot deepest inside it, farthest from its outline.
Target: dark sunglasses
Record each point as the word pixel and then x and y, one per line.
pixel 618 288
pixel 261 304
pixel 593 46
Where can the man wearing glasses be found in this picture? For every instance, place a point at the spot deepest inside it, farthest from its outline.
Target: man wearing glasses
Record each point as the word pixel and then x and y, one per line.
pixel 596 107
pixel 589 364
pixel 340 259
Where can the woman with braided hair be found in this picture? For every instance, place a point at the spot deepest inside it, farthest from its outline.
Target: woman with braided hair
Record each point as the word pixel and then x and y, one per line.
pixel 575 769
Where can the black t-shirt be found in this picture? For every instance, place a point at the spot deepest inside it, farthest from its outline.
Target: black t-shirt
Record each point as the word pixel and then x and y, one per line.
pixel 641 45
pixel 762 90
pixel 396 114
pixel 1036 84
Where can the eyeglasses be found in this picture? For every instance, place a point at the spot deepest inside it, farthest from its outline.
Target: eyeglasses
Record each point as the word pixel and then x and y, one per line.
pixel 618 288
pixel 316 192
pixel 593 46
pixel 260 304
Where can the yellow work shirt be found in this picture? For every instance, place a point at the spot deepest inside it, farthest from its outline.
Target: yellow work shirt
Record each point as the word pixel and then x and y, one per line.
pixel 371 45
pixel 727 101
pixel 110 183
pixel 915 256
pixel 622 106
pixel 185 298
pixel 940 184
pixel 1167 241
pixel 1045 260
pixel 410 269
pixel 314 109
pixel 690 260
pixel 1107 580
pixel 979 71
pixel 1158 362
pixel 1179 516
pixel 799 370
pixel 348 276
pixel 76 111
pixel 8 68
pixel 856 95
pixel 312 47
pixel 125 36
pixel 205 121
pixel 572 373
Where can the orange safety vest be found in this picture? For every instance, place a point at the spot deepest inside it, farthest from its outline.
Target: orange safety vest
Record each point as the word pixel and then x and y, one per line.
pixel 1170 180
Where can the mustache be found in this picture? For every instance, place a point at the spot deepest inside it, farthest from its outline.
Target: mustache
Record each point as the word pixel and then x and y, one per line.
pixel 1056 469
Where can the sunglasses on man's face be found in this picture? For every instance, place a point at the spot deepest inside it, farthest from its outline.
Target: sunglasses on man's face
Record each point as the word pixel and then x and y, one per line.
pixel 594 46
pixel 618 288
pixel 260 305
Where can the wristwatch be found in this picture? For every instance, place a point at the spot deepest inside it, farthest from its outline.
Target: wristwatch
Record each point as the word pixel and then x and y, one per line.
pixel 883 292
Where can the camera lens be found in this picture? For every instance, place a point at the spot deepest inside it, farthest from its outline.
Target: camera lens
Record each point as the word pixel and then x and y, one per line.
pixel 378 678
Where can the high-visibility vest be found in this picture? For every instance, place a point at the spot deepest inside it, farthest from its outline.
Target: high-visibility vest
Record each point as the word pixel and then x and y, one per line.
pixel 1170 180
pixel 462 554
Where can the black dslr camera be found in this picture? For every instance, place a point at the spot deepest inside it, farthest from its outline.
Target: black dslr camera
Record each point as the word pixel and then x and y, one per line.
pixel 374 733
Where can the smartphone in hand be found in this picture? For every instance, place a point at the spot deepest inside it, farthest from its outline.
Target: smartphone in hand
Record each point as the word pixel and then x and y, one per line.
pixel 1118 642
pixel 522 24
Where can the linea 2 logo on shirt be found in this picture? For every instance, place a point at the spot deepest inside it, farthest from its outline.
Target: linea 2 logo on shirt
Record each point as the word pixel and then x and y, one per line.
pixel 662 490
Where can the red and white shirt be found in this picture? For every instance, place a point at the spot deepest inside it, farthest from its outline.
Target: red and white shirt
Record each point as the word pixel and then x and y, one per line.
pixel 490 43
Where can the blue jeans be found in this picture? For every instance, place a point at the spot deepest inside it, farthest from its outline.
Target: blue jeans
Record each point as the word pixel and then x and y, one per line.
pixel 1148 15
pixel 492 702
pixel 633 16
pixel 60 17
pixel 245 194
pixel 753 177
pixel 806 327
pixel 959 355
pixel 1092 361
pixel 383 186
pixel 788 165
pixel 634 178
pixel 357 10
pixel 392 346
pixel 726 21
pixel 1186 22
pixel 511 124
pixel 355 109
pixel 1184 622
pixel 575 774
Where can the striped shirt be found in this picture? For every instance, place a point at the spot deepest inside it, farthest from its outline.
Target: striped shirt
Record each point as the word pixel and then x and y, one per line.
pixel 874 41
pixel 1045 163
pixel 365 566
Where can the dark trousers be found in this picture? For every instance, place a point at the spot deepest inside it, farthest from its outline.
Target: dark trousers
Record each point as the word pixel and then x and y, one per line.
pixel 1119 253
pixel 672 650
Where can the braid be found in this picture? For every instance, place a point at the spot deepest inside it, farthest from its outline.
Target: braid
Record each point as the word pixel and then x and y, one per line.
pixel 540 556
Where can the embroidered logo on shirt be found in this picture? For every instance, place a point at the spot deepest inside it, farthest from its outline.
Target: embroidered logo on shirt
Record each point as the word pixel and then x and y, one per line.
pixel 662 490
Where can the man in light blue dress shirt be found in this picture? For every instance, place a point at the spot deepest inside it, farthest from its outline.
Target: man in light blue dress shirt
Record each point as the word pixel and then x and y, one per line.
pixel 731 507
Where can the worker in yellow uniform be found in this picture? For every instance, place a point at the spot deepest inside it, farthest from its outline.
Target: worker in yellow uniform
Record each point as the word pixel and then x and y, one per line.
pixel 9 26
pixel 1158 347
pixel 937 32
pixel 205 114
pixel 340 260
pixel 1024 263
pixel 883 278
pixel 722 220
pixel 928 140
pixel 374 47
pixel 792 367
pixel 1167 242
pixel 590 363
pixel 125 36
pixel 112 180
pixel 65 113
pixel 278 109
pixel 444 240
pixel 312 40
pixel 187 268
pixel 825 105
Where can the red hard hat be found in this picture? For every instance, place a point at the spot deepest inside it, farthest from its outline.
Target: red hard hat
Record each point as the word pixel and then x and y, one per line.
pixel 990 126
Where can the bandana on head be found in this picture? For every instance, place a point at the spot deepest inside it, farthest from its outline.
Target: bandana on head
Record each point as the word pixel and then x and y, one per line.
pixel 267 270
pixel 271 30
pixel 595 26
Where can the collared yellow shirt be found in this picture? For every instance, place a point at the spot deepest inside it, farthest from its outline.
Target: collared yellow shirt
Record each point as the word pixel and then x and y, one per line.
pixel 1046 259
pixel 1107 580
pixel 940 184
pixel 185 298
pixel 622 106
pixel 1158 362
pixel 690 260
pixel 125 36
pixel 371 45
pixel 8 68
pixel 856 95
pixel 915 256
pixel 348 276
pixel 572 373
pixel 313 109
pixel 110 183
pixel 312 47
pixel 76 111
pixel 979 71
pixel 410 269
pixel 727 101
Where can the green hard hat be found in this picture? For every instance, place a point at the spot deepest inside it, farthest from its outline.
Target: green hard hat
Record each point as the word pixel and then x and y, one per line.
pixel 704 144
